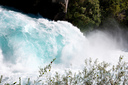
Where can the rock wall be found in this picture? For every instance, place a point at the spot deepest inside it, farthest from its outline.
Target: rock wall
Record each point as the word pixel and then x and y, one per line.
pixel 47 8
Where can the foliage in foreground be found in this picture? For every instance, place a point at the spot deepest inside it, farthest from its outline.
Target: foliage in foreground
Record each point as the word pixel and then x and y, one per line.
pixel 94 73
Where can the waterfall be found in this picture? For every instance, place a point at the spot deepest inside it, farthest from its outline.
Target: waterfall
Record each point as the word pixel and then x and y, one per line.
pixel 27 43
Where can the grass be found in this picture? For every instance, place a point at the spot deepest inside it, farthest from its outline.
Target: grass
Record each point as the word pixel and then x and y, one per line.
pixel 94 73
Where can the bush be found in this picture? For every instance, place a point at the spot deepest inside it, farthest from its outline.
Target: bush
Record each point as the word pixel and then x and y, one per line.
pixel 84 13
pixel 94 73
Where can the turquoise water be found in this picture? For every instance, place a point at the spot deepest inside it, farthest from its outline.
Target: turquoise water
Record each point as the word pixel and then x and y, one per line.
pixel 27 43
pixel 22 36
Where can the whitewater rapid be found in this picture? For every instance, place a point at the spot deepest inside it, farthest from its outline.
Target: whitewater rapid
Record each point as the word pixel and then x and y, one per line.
pixel 27 43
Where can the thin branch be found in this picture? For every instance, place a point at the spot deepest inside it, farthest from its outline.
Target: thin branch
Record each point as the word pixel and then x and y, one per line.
pixel 66 7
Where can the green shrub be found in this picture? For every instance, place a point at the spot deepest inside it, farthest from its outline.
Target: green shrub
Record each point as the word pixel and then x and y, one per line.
pixel 94 73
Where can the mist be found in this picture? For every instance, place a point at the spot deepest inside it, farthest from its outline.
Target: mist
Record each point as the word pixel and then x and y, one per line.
pixel 109 42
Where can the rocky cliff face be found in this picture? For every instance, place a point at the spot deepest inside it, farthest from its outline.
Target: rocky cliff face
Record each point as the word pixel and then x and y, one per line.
pixel 51 9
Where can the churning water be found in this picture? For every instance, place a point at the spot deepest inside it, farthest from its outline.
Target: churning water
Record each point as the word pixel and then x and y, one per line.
pixel 28 43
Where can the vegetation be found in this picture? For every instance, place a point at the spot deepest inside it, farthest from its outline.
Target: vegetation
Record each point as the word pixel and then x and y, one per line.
pixel 94 73
pixel 86 13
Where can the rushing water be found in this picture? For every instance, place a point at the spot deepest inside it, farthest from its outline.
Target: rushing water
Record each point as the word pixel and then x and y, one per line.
pixel 28 43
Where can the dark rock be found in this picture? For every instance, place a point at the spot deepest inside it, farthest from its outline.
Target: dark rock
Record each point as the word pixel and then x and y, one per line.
pixel 60 16
pixel 46 8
